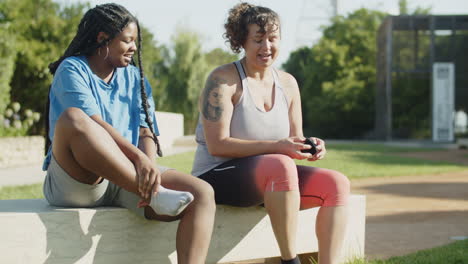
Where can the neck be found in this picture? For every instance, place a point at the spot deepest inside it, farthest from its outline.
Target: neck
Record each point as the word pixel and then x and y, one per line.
pixel 100 67
pixel 257 73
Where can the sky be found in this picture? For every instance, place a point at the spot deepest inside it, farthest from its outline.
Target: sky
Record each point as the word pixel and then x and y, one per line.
pixel 300 19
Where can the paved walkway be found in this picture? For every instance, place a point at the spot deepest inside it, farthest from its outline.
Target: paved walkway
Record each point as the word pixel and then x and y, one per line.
pixel 407 214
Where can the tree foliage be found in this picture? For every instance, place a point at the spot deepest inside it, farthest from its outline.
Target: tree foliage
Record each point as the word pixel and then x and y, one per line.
pixel 41 31
pixel 218 57
pixel 337 76
pixel 38 33
pixel 184 71
pixel 152 56
pixel 7 59
pixel 183 74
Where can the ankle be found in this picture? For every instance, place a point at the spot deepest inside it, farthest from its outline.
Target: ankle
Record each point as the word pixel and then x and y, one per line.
pixel 291 261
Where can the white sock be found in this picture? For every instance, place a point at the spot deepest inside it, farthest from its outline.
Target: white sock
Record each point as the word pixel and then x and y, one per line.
pixel 170 202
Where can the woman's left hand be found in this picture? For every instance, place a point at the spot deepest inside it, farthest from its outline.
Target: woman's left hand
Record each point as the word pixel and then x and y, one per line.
pixel 321 150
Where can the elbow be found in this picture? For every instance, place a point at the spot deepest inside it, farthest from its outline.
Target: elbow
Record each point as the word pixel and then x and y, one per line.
pixel 214 150
pixel 217 149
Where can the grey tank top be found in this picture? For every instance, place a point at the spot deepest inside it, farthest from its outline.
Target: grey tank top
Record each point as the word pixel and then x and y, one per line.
pixel 248 122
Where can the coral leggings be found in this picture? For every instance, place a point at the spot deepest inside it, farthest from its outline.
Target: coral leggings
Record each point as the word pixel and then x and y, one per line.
pixel 244 181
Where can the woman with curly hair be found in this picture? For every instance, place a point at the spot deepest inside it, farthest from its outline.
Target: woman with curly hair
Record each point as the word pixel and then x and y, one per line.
pixel 250 132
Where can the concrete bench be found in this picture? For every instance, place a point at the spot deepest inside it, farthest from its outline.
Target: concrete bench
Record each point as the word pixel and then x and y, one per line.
pixel 31 232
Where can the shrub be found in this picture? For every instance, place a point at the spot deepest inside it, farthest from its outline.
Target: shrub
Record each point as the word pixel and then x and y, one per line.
pixel 15 122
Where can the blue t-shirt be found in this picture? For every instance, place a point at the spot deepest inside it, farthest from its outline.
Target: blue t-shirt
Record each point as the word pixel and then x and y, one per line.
pixel 117 102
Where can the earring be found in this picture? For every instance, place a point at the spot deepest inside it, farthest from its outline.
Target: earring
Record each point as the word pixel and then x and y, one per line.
pixel 99 51
pixel 107 52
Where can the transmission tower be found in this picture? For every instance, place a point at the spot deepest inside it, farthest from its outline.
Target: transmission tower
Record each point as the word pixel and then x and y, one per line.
pixel 314 14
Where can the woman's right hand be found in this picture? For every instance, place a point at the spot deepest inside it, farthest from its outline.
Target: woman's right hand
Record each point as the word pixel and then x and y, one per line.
pixel 148 177
pixel 292 147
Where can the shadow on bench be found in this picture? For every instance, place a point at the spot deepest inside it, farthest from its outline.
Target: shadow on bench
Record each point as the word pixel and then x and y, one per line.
pixel 34 232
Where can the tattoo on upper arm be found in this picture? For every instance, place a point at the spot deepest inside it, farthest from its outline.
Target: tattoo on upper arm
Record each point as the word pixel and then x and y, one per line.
pixel 212 107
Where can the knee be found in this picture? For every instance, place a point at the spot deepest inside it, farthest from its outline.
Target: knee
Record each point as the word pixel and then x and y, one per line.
pixel 279 172
pixel 73 119
pixel 204 193
pixel 338 186
pixel 277 164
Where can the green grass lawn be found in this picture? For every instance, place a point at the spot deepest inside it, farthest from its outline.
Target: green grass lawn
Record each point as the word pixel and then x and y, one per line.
pixel 355 160
pixel 33 191
pixel 454 253
pixel 377 160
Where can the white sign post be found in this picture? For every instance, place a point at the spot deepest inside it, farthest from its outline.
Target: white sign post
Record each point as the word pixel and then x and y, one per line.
pixel 443 101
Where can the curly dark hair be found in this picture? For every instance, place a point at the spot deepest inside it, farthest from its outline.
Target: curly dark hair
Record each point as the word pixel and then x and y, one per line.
pixel 111 19
pixel 241 16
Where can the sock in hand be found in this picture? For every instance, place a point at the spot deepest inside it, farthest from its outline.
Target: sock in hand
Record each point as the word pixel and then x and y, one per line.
pixel 170 202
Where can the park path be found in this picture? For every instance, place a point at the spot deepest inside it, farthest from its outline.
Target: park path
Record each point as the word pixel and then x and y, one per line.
pixel 409 213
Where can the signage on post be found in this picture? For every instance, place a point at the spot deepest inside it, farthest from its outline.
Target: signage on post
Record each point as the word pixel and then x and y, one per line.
pixel 443 97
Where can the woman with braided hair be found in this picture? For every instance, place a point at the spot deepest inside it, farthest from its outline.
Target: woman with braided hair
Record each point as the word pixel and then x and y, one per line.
pixel 102 135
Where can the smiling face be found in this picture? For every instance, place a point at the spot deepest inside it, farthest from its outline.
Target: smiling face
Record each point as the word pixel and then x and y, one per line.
pixel 262 48
pixel 123 46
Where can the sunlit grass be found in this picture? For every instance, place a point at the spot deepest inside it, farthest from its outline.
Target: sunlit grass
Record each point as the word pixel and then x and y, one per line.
pixel 355 160
pixel 454 253
pixel 374 160
pixel 32 191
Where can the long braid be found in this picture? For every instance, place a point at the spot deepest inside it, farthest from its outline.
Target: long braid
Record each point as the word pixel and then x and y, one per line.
pixel 47 142
pixel 81 44
pixel 144 97
pixel 111 19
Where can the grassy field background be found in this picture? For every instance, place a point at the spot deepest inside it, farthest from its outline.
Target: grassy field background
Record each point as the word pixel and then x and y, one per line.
pixel 355 160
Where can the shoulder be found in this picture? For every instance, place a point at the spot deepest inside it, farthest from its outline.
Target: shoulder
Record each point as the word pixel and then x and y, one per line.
pixel 73 63
pixel 225 76
pixel 286 79
pixel 227 72
pixel 72 69
pixel 288 82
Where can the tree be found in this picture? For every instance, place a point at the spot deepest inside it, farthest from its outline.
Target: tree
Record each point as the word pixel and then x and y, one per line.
pixel 404 9
pixel 337 77
pixel 152 56
pixel 7 59
pixel 42 31
pixel 185 71
pixel 217 57
pixel 403 6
